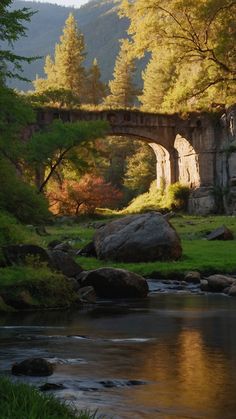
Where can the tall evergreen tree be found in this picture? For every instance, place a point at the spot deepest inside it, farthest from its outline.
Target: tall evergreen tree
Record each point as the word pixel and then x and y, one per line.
pixel 96 89
pixel 122 88
pixel 66 71
pixel 158 78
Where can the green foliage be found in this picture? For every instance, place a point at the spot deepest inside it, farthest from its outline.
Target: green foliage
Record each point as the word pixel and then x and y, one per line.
pixel 95 88
pixel 122 88
pixel 11 29
pixel 193 50
pixel 177 196
pixel 15 114
pixel 174 197
pixel 12 232
pixel 21 401
pixel 60 98
pixel 19 198
pixel 141 169
pixel 51 147
pixel 48 289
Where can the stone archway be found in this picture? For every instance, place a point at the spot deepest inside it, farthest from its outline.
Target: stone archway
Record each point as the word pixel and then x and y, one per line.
pixel 163 165
pixel 187 163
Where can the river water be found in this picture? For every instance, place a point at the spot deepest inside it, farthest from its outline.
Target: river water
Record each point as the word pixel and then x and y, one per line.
pixel 172 355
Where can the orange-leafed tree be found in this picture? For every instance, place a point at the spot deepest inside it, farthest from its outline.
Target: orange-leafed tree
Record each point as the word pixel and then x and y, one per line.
pixel 84 196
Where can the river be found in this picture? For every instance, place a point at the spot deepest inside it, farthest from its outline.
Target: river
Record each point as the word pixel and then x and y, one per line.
pixel 172 355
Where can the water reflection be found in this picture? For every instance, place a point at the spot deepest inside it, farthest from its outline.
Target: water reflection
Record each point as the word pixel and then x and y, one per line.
pixel 184 347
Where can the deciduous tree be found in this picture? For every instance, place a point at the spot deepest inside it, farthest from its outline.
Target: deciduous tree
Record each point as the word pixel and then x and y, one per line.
pixel 202 37
pixel 84 196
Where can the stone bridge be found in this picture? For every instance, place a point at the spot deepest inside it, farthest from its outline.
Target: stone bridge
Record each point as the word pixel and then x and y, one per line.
pixel 198 150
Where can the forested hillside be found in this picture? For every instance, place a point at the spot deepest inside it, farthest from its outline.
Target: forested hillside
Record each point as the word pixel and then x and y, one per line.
pixel 97 20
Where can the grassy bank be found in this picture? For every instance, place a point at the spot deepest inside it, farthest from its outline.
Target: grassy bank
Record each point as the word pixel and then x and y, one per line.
pixel 198 253
pixel 28 287
pixel 20 401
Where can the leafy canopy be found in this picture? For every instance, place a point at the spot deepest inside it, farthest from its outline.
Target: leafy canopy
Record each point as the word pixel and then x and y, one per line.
pixel 201 35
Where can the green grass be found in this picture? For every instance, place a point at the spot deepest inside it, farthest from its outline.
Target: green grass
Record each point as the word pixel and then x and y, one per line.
pixel 47 289
pixel 20 401
pixel 198 253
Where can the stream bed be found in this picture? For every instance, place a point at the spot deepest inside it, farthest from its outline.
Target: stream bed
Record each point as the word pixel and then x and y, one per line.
pixel 172 355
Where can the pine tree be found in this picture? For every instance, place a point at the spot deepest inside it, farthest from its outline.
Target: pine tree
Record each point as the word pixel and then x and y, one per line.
pixel 67 70
pixel 158 78
pixel 122 88
pixel 96 89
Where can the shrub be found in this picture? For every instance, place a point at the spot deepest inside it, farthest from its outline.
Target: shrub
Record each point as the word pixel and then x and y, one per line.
pixel 177 196
pixel 21 199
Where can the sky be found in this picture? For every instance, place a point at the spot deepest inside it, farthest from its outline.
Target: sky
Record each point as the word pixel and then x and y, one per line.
pixel 75 3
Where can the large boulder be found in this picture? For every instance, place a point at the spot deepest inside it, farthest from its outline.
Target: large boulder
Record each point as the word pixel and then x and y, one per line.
pixel 37 367
pixel 65 263
pixel 138 238
pixel 115 283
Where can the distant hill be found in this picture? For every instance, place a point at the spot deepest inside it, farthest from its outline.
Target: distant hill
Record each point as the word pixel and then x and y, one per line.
pixel 98 20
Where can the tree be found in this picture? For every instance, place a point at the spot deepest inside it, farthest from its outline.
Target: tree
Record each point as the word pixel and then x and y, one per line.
pixel 95 88
pixel 83 196
pixel 11 29
pixel 122 88
pixel 51 147
pixel 141 169
pixel 66 71
pixel 158 78
pixel 201 35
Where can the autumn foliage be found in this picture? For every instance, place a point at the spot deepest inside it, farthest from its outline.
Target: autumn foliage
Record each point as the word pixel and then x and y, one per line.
pixel 83 197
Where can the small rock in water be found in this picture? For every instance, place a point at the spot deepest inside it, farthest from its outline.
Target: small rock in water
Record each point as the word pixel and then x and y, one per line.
pixel 193 277
pixel 51 387
pixel 37 367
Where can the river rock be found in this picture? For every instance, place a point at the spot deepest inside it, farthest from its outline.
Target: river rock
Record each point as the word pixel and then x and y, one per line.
pixel 193 277
pixel 204 285
pixel 87 295
pixel 23 253
pixel 37 367
pixel 220 233
pixel 65 263
pixel 115 283
pixel 232 291
pixel 138 238
pixel 217 283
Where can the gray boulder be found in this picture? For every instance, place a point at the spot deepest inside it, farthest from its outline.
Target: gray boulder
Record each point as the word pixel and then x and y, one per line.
pixel 138 238
pixel 217 283
pixel 220 233
pixel 115 283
